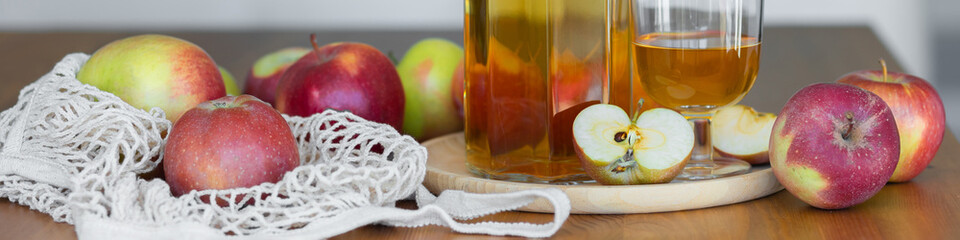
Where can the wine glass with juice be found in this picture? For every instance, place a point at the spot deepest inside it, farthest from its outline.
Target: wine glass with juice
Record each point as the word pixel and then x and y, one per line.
pixel 695 56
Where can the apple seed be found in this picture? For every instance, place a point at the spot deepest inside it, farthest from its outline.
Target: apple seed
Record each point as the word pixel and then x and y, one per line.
pixel 620 136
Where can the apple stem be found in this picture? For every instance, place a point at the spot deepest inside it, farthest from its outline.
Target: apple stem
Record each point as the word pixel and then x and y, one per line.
pixel 849 128
pixel 883 65
pixel 313 40
pixel 636 112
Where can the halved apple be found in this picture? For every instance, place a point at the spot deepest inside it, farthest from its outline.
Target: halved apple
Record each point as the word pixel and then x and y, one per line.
pixel 741 132
pixel 652 147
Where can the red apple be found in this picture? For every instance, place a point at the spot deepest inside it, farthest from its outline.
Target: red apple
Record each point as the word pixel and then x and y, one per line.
pixel 266 72
pixel 153 70
pixel 227 143
pixel 919 113
pixel 352 77
pixel 834 145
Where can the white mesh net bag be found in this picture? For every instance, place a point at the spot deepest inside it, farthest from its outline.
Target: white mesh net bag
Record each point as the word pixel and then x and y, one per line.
pixel 74 152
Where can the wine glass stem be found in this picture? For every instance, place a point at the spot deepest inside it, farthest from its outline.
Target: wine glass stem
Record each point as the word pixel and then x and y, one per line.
pixel 701 159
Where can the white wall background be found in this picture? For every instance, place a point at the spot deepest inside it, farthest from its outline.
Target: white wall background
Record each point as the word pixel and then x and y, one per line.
pixel 902 25
pixel 226 15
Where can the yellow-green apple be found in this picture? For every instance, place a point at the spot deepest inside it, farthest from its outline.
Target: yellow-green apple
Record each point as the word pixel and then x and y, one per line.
pixel 919 113
pixel 230 142
pixel 152 70
pixel 229 82
pixel 427 71
pixel 266 72
pixel 347 76
pixel 834 145
pixel 652 147
pixel 741 132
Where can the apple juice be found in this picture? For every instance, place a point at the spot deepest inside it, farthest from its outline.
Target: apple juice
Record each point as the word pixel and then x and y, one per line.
pixel 531 66
pixel 625 90
pixel 696 72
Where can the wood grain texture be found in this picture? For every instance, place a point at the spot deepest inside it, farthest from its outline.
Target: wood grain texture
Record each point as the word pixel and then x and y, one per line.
pixel 927 207
pixel 446 170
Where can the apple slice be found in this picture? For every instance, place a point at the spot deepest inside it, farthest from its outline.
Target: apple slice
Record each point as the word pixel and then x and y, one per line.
pixel 614 149
pixel 741 132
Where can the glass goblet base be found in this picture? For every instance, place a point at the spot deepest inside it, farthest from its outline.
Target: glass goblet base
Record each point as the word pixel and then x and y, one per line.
pixel 720 167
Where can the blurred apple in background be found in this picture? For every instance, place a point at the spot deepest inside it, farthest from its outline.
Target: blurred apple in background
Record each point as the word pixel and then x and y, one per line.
pixel 919 113
pixel 346 76
pixel 513 114
pixel 456 88
pixel 229 82
pixel 427 71
pixel 228 143
pixel 573 77
pixel 266 72
pixel 834 145
pixel 741 132
pixel 153 70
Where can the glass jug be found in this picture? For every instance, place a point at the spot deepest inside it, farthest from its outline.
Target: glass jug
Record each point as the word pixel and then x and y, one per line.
pixel 530 67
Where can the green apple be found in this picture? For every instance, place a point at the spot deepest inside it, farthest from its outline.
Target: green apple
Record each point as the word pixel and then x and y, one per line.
pixel 153 70
pixel 427 71
pixel 265 74
pixel 229 82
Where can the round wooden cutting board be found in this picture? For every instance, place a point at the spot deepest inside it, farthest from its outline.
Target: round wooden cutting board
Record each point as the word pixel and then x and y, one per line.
pixel 446 169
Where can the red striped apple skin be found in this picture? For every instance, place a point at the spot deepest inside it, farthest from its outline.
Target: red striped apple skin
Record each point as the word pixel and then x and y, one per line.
pixel 814 156
pixel 346 76
pixel 918 110
pixel 154 70
pixel 227 143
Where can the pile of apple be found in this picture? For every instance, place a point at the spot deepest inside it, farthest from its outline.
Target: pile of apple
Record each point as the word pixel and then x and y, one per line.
pixel 418 97
pixel 221 142
pixel 834 145
pixel 654 146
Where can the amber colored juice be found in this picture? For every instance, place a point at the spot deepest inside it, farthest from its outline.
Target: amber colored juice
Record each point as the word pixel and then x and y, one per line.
pixel 695 72
pixel 530 67
pixel 624 90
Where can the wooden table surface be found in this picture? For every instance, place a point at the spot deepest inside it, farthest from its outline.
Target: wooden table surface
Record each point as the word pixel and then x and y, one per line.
pixel 792 57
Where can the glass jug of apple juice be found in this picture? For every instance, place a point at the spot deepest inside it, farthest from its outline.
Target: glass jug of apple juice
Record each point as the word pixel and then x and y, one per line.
pixel 530 67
